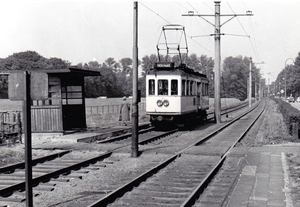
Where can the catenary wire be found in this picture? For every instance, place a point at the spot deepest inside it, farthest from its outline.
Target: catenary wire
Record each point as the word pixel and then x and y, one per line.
pixel 170 23
pixel 253 48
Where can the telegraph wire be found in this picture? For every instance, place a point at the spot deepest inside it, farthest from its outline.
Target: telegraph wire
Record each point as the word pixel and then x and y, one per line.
pixel 182 6
pixel 254 37
pixel 171 23
pixel 155 13
pixel 200 24
pixel 238 20
pixel 253 48
pixel 208 6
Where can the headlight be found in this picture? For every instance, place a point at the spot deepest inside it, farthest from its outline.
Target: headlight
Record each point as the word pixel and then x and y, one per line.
pixel 159 103
pixel 166 103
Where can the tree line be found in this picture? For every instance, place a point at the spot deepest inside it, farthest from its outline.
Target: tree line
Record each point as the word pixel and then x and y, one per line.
pixel 288 78
pixel 116 76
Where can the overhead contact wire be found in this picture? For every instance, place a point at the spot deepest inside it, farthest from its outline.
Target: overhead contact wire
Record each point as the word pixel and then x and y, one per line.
pixel 170 23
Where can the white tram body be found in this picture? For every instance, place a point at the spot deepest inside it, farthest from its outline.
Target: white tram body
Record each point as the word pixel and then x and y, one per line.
pixel 175 94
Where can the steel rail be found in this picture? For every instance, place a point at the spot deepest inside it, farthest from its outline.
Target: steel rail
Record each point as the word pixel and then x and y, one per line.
pixel 127 135
pixel 123 136
pixel 157 137
pixel 228 110
pixel 21 165
pixel 35 181
pixel 201 187
pixel 111 197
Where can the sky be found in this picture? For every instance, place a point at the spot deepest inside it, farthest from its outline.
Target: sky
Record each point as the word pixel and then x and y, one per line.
pixel 82 31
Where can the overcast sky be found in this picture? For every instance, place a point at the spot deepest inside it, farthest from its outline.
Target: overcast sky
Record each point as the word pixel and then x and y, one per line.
pixel 82 31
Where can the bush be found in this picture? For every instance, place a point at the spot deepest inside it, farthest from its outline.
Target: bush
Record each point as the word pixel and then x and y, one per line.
pixel 290 115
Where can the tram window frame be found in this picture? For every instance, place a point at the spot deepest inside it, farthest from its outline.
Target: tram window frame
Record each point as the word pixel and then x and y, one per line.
pixel 183 87
pixel 151 88
pixel 174 87
pixel 199 87
pixel 205 89
pixel 163 87
pixel 191 88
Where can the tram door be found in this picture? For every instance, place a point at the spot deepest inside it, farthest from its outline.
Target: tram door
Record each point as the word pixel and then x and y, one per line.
pixel 73 105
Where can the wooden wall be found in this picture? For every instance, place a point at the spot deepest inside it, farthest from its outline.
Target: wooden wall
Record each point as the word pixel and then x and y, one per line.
pixel 46 119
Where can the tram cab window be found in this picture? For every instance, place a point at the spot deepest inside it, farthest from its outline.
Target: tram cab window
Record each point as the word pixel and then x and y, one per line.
pixel 174 87
pixel 151 87
pixel 162 87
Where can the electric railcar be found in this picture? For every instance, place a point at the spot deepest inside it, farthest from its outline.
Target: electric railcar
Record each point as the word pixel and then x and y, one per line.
pixel 176 95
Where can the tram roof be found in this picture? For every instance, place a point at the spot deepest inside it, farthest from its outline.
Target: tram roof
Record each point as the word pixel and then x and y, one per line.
pixel 169 69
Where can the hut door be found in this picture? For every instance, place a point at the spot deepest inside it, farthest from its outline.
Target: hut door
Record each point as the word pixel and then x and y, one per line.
pixel 73 106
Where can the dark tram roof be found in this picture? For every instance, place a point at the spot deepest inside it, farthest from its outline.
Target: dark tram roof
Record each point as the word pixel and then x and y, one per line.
pixel 170 66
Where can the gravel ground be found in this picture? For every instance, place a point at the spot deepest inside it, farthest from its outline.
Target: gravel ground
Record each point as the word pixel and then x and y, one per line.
pixel 270 130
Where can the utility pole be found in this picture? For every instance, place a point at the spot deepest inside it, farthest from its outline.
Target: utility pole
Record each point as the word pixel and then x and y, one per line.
pixel 27 133
pixel 250 83
pixel 217 34
pixel 217 63
pixel 135 112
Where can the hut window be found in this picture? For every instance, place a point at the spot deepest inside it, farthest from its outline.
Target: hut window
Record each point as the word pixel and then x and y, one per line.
pixel 71 95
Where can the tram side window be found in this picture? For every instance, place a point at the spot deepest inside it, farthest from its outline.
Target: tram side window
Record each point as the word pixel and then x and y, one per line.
pixel 174 87
pixel 205 89
pixel 183 88
pixel 162 87
pixel 191 88
pixel 151 87
pixel 188 88
pixel 198 88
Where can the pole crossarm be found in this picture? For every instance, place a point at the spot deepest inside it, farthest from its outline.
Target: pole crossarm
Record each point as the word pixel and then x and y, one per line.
pixel 191 14
pixel 217 25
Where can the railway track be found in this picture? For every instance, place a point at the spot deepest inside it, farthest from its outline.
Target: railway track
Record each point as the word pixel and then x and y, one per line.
pixel 52 167
pixel 225 111
pixel 182 178
pixel 49 173
pixel 210 117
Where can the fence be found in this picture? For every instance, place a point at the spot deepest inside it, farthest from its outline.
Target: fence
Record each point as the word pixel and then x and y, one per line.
pixel 11 121
pixel 10 126
pixel 109 109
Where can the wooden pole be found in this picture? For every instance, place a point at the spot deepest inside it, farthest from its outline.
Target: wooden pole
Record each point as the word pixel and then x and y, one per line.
pixel 27 133
pixel 135 112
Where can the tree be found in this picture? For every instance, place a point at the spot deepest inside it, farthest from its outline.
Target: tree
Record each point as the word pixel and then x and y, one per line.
pixel 148 63
pixel 289 76
pixel 126 64
pixel 234 77
pixel 112 64
pixel 28 60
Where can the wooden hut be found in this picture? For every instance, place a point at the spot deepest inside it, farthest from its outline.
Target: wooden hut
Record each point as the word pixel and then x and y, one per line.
pixel 64 109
